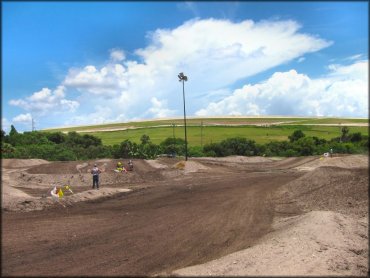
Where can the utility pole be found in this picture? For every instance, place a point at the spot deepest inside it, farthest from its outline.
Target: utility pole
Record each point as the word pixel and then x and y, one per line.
pixel 201 133
pixel 174 141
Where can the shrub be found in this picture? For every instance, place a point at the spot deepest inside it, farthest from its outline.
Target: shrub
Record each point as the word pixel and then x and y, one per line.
pixel 173 146
pixel 196 151
pixel 296 135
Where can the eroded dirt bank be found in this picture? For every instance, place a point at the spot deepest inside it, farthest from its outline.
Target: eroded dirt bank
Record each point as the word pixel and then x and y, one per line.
pixel 173 218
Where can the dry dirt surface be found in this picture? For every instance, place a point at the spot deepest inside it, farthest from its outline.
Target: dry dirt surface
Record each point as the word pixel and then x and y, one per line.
pixel 231 216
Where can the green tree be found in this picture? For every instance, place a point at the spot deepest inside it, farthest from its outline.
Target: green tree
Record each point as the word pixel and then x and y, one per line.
pixel 145 139
pixel 173 146
pixel 238 146
pixel 215 149
pixel 305 146
pixel 355 137
pixel 296 135
pixel 128 149
pixel 13 131
pixel 7 150
pixel 56 137
pixel 345 131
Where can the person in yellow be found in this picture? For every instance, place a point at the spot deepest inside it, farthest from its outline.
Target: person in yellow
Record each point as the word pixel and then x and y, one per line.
pixel 119 166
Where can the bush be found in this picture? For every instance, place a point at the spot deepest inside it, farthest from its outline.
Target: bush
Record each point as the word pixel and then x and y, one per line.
pixel 56 137
pixel 296 135
pixel 277 148
pixel 173 146
pixel 129 149
pixel 304 146
pixel 238 146
pixel 196 151
pixel 214 149
pixel 7 150
pixel 355 137
pixel 148 150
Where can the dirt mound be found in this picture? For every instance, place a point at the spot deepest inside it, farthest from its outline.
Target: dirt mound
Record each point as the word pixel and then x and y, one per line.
pixel 327 188
pixel 22 163
pixel 318 243
pixel 190 166
pixel 156 164
pixel 23 186
pixel 347 162
pixel 241 159
pixel 172 220
pixel 78 174
pixel 31 203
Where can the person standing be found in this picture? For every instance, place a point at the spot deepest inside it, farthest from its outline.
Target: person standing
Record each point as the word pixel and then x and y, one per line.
pixel 130 165
pixel 95 172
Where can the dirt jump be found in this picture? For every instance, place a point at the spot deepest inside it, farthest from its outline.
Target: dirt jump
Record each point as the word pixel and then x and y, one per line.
pixel 243 216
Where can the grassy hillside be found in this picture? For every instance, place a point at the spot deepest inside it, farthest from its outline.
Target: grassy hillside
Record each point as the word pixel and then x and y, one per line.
pixel 207 134
pixel 207 130
pixel 216 121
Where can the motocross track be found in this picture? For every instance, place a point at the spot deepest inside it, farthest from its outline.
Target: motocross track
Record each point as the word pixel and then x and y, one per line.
pixel 167 215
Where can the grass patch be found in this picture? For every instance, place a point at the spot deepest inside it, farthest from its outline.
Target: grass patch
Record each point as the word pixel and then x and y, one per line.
pixel 198 135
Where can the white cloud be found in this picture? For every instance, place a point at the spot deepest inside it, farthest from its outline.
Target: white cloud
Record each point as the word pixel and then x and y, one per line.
pixel 23 119
pixel 117 55
pixel 45 101
pixel 301 59
pixel 190 6
pixel 342 92
pixel 159 109
pixel 108 81
pixel 213 53
pixel 355 57
pixel 5 124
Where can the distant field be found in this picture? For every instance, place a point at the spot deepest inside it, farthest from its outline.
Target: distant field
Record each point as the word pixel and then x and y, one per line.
pixel 260 129
pixel 218 133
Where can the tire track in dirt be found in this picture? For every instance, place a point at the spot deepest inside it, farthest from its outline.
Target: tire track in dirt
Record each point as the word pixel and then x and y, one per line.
pixel 146 232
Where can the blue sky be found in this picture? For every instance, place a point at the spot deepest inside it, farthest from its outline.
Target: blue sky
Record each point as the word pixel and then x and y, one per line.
pixel 77 63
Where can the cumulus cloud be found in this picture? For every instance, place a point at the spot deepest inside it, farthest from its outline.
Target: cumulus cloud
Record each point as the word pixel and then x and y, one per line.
pixel 23 118
pixel 214 53
pixel 117 55
pixel 5 124
pixel 45 101
pixel 101 115
pixel 159 109
pixel 107 81
pixel 342 92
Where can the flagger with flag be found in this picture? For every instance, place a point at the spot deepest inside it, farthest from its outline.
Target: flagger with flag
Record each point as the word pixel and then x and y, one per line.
pixel 57 193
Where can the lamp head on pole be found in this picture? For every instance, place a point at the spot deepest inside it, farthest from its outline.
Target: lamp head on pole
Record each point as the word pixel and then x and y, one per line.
pixel 182 77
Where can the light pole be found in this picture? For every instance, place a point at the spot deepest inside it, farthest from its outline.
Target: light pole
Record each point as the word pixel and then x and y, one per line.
pixel 201 133
pixel 184 78
pixel 174 141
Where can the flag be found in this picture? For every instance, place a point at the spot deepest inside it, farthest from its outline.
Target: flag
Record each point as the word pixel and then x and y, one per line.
pixel 60 193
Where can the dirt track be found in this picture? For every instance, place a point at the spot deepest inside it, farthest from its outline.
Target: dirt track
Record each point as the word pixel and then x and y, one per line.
pixel 170 220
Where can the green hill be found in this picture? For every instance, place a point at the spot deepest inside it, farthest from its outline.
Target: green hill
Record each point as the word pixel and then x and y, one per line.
pixel 201 131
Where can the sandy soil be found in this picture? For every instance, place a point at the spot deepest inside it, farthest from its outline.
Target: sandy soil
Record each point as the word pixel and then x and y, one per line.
pixel 208 216
pixel 321 243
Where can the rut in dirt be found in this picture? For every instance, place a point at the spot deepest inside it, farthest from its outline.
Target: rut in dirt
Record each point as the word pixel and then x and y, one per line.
pixel 150 231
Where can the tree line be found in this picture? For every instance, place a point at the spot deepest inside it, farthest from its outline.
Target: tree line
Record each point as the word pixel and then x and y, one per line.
pixel 57 146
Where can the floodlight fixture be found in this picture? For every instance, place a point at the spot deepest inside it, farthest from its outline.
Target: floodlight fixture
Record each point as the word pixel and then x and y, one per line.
pixel 184 78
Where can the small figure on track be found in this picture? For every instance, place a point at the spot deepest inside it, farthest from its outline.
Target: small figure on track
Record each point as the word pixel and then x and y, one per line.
pixel 95 172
